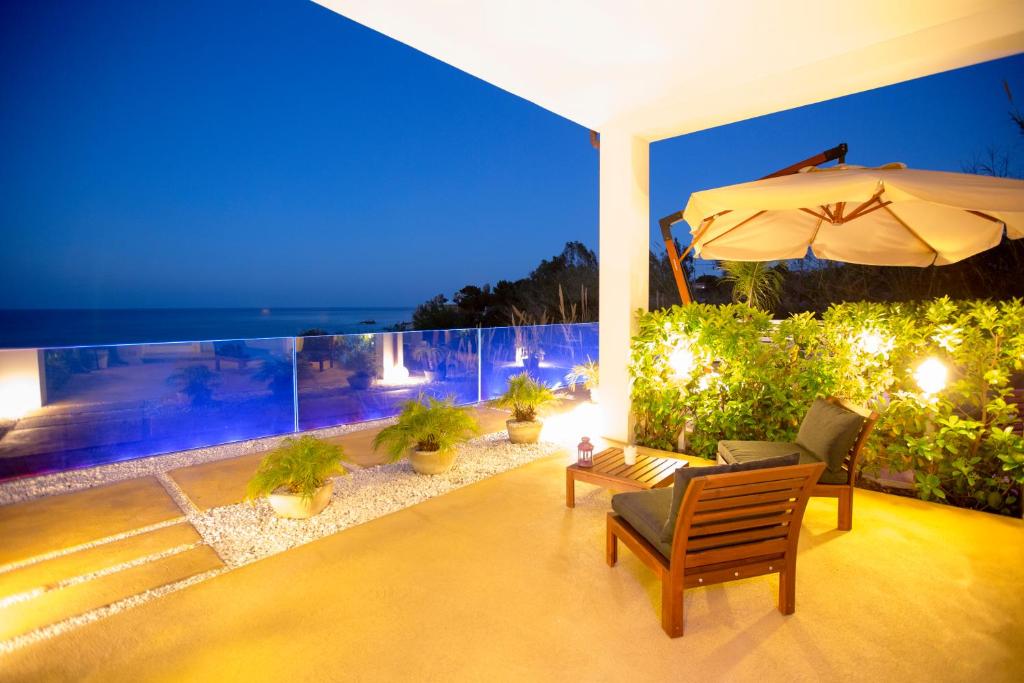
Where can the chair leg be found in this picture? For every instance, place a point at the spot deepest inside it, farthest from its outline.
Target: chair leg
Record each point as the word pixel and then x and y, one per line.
pixel 787 588
pixel 672 605
pixel 846 508
pixel 611 548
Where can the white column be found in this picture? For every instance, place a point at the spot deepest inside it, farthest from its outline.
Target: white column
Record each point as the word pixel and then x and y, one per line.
pixel 22 382
pixel 624 253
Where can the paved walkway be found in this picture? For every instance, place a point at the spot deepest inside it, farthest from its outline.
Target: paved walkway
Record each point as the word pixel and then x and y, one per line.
pixel 499 581
pixel 65 556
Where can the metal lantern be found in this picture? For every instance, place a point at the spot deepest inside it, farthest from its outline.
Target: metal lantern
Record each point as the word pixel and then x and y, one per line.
pixel 585 453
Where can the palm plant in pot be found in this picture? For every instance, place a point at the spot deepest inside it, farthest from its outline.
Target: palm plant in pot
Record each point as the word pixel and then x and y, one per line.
pixel 524 397
pixel 586 374
pixel 428 430
pixel 296 476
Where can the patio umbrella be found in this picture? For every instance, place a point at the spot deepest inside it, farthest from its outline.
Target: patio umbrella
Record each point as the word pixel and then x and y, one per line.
pixel 887 216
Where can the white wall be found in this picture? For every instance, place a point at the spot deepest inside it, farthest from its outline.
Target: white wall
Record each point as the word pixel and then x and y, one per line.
pixel 21 382
pixel 624 252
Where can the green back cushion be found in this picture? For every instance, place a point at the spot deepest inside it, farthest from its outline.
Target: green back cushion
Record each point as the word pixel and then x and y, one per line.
pixel 685 474
pixel 829 431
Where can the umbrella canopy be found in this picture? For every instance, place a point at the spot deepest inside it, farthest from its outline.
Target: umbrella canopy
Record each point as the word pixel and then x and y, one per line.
pixel 886 216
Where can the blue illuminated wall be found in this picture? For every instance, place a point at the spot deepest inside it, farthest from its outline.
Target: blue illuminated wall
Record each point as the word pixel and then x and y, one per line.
pixel 108 403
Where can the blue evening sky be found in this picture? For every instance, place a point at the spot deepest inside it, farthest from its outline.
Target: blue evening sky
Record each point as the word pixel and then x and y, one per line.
pixel 196 153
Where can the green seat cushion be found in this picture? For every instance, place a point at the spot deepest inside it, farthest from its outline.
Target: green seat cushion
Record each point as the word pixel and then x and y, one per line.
pixel 684 475
pixel 646 512
pixel 747 451
pixel 829 431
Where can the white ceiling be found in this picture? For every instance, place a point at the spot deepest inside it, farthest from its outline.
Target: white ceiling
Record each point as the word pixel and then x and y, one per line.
pixel 658 69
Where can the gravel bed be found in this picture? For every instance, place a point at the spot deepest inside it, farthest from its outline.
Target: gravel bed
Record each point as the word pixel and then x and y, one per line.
pixel 244 533
pixel 18 490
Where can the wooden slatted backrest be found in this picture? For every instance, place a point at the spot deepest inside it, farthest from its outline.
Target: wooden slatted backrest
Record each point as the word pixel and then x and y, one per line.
pixel 740 516
pixel 870 418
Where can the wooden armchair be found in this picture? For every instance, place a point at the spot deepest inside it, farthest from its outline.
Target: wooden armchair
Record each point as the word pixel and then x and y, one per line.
pixel 729 526
pixel 828 435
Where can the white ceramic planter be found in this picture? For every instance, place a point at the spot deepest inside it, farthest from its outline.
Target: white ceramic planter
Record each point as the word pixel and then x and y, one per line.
pixel 296 507
pixel 525 431
pixel 432 462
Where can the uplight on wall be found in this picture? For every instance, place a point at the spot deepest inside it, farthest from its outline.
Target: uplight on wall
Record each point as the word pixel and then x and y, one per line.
pixel 931 376
pixel 20 383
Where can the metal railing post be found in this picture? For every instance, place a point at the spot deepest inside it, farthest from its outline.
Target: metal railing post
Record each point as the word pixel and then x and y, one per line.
pixel 295 382
pixel 479 364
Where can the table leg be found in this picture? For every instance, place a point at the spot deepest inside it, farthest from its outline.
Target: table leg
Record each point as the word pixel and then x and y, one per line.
pixel 570 490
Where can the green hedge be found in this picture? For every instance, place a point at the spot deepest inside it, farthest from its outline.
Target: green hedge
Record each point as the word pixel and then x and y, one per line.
pixel 730 372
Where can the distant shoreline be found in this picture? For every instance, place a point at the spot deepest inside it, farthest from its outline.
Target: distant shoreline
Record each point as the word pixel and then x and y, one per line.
pixel 56 327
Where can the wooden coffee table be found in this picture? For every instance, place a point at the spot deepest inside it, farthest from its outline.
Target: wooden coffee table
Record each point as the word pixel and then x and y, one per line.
pixel 611 471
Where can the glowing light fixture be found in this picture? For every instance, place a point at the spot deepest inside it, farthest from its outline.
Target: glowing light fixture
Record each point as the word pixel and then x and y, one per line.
pixel 872 343
pixel 682 362
pixel 931 376
pixel 18 396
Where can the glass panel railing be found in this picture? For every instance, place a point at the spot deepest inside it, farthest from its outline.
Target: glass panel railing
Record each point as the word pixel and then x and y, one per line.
pixel 82 406
pixel 63 408
pixel 546 352
pixel 352 378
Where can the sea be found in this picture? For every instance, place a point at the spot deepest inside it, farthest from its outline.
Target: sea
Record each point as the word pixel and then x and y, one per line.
pixel 27 328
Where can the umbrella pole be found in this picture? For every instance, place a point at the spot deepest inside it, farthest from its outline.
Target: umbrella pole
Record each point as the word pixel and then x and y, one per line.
pixel 674 258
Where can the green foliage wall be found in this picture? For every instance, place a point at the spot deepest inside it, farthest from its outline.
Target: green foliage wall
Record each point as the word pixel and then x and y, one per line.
pixel 730 372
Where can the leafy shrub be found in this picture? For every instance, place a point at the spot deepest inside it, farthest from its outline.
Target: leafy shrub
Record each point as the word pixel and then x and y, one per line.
pixel 298 466
pixel 429 424
pixel 524 397
pixel 730 372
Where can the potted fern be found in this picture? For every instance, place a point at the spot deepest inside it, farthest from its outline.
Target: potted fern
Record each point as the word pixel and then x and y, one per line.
pixel 524 397
pixel 587 375
pixel 428 431
pixel 295 477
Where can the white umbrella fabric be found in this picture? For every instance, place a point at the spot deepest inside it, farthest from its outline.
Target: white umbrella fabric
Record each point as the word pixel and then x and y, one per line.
pixel 887 216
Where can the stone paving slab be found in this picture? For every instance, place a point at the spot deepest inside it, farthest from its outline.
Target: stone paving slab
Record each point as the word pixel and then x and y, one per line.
pixel 44 525
pixel 47 573
pixel 64 603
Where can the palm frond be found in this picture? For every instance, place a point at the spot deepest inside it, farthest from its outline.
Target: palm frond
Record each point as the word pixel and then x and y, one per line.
pixel 298 466
pixel 525 396
pixel 427 424
pixel 754 283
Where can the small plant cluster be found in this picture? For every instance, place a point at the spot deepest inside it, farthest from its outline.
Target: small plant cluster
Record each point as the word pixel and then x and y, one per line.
pixel 429 424
pixel 730 372
pixel 524 397
pixel 587 374
pixel 298 467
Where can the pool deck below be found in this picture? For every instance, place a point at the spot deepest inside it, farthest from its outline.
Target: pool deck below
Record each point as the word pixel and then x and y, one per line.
pixel 500 581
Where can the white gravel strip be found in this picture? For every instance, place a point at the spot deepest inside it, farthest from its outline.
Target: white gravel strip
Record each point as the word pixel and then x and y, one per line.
pixel 243 533
pixel 18 490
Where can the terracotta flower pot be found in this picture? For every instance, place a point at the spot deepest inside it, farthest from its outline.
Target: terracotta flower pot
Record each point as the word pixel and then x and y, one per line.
pixel 296 507
pixel 432 462
pixel 526 431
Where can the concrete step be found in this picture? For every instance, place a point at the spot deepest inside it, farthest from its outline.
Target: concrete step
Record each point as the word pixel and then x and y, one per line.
pixel 47 574
pixel 71 600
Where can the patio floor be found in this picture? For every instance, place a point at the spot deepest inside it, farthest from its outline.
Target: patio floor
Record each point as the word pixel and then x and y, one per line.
pixel 499 581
